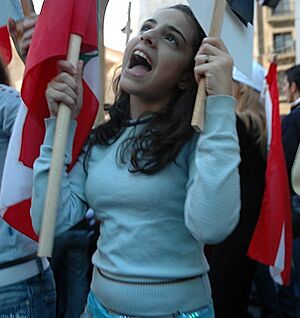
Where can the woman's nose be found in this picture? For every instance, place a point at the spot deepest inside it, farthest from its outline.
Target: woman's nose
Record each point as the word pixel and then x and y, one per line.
pixel 149 38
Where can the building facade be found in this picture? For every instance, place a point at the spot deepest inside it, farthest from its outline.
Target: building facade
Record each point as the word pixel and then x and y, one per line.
pixel 297 27
pixel 276 36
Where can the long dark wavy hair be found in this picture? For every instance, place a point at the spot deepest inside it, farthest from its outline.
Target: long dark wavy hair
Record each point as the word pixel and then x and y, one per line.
pixel 4 78
pixel 250 110
pixel 160 139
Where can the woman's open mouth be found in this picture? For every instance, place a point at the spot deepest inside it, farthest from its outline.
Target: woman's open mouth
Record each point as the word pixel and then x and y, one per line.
pixel 139 64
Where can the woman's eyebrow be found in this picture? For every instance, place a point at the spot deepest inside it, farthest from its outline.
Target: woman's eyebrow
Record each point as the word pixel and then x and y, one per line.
pixel 172 28
pixel 151 20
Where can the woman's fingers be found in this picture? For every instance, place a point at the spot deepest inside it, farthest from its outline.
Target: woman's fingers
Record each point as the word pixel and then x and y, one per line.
pixel 30 21
pixel 213 63
pixel 12 26
pixel 58 93
pixel 67 67
pixel 216 43
pixel 26 40
pixel 69 92
pixel 66 88
pixel 67 81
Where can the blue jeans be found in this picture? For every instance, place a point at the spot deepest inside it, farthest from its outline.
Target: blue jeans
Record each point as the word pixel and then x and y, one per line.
pixel 296 259
pixel 70 264
pixel 96 310
pixel 32 298
pixel 267 292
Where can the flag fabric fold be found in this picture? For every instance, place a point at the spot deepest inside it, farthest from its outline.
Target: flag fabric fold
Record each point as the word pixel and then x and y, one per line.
pixel 5 47
pixel 49 44
pixel 271 243
pixel 270 3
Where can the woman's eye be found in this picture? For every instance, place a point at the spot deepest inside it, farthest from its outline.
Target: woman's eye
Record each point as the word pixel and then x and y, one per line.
pixel 145 28
pixel 171 38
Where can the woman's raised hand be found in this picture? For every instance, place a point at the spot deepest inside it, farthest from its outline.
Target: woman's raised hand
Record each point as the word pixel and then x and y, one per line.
pixel 66 88
pixel 214 63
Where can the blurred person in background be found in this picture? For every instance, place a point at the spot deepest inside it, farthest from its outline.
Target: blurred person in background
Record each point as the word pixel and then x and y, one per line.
pixel 27 287
pixel 231 270
pixel 290 296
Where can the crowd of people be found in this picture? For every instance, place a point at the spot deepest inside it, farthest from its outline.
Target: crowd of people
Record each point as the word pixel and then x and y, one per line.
pixel 154 219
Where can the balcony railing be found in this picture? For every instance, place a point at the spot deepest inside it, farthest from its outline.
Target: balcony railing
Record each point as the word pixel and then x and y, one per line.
pixel 284 49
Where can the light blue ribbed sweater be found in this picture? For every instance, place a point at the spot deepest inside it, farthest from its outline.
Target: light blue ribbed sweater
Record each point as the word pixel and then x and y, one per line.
pixel 153 228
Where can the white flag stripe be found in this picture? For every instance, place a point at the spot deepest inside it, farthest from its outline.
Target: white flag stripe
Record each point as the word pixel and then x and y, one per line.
pixel 278 267
pixel 268 111
pixel 279 261
pixel 16 183
pixel 91 77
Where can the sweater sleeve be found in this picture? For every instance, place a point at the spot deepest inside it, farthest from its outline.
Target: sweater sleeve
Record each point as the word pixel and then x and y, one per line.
pixel 212 204
pixel 72 203
pixel 10 101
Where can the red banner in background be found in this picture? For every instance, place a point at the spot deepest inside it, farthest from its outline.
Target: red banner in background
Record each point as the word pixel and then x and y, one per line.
pixel 271 243
pixel 5 46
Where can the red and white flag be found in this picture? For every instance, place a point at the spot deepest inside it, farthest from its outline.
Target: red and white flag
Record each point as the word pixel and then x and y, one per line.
pixel 49 44
pixel 271 243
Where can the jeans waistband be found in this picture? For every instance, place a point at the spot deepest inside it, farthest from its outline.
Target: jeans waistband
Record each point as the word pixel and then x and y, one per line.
pixel 97 310
pixel 19 272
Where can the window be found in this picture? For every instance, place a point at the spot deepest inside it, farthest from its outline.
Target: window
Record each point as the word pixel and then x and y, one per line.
pixel 283 42
pixel 283 8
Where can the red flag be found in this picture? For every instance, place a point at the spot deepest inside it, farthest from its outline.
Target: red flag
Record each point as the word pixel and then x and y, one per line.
pixel 5 47
pixel 271 243
pixel 49 44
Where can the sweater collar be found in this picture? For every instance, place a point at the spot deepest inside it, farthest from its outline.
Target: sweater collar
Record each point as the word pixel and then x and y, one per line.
pixel 295 104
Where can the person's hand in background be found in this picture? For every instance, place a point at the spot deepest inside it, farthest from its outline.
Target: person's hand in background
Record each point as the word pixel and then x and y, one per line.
pixel 21 33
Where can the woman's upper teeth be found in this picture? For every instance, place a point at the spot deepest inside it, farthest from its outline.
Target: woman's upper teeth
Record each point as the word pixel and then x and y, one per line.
pixel 142 54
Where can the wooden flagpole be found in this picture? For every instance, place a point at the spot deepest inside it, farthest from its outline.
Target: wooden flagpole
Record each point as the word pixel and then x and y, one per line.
pixel 215 30
pixel 59 146
pixel 128 24
pixel 101 5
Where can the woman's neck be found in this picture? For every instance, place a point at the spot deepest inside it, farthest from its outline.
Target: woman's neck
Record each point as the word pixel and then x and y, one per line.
pixel 139 106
